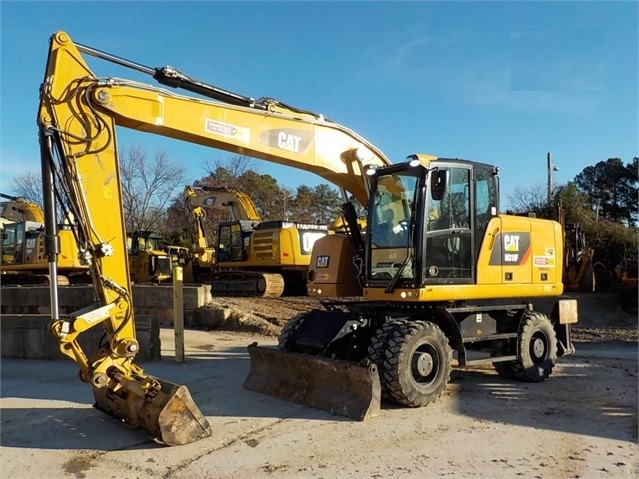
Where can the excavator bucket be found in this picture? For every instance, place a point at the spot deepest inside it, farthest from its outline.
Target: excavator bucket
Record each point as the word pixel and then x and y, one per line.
pixel 168 413
pixel 339 387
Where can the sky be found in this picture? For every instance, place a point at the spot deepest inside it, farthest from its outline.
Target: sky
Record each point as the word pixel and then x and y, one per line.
pixel 503 83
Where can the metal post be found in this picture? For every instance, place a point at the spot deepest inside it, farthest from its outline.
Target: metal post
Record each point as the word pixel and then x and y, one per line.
pixel 551 168
pixel 178 313
pixel 549 179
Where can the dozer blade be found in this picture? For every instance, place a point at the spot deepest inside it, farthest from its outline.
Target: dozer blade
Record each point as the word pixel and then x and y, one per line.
pixel 168 414
pixel 339 387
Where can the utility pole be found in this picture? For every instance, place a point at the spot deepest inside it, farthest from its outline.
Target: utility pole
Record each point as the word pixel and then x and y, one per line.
pixel 551 168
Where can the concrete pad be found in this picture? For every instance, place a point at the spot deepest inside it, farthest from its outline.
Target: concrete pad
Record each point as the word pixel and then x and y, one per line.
pixel 581 422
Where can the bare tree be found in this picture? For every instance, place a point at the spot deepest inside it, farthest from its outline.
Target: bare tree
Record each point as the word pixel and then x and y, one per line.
pixel 533 199
pixel 147 188
pixel 228 171
pixel 29 186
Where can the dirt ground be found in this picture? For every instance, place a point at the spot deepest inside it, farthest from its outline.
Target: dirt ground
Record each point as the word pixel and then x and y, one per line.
pixel 600 315
pixel 579 424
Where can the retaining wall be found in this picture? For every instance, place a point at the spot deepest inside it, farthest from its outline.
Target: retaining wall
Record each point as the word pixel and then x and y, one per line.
pixel 25 317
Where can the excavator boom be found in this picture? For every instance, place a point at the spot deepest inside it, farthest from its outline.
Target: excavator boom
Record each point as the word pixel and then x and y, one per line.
pixel 267 128
pixel 18 209
pixel 237 203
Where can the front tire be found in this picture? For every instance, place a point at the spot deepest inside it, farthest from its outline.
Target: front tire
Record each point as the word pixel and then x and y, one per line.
pixel 417 363
pixel 377 349
pixel 536 348
pixel 289 329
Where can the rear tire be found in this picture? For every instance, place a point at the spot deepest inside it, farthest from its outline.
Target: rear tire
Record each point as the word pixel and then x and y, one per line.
pixel 506 369
pixel 417 363
pixel 536 348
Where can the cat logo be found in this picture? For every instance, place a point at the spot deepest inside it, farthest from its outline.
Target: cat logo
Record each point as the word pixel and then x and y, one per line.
pixel 288 141
pixel 511 243
pixel 511 247
pixel 322 261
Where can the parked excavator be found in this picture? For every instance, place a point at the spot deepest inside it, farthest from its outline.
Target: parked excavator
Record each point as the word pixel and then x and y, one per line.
pixel 23 260
pixel 77 117
pixel 252 257
pixel 440 268
pixel 148 261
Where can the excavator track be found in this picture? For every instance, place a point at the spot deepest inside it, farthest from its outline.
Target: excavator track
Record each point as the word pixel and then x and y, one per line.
pixel 247 283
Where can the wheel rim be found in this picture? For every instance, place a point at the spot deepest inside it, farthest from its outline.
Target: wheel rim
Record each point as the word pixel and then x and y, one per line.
pixel 538 347
pixel 425 365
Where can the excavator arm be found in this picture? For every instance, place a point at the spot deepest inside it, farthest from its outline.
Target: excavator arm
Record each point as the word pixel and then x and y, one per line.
pixel 80 171
pixel 78 115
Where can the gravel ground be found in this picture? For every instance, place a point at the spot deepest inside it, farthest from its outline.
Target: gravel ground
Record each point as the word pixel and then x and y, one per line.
pixel 579 424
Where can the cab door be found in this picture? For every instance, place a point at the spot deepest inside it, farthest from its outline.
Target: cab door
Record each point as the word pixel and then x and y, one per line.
pixel 449 253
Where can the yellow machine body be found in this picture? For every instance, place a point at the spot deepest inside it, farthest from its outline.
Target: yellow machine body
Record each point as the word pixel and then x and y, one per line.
pixel 23 259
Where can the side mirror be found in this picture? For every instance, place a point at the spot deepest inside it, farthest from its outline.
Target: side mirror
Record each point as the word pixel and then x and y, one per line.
pixel 438 184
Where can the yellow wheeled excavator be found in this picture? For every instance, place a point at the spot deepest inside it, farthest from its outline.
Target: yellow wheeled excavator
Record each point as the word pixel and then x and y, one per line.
pixel 78 115
pixel 442 272
pixel 252 257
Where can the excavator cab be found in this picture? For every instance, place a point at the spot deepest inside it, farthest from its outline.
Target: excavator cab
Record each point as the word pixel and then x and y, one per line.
pixel 19 242
pixel 428 223
pixel 233 241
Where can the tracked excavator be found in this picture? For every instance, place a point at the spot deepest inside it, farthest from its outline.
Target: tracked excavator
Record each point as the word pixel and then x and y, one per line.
pixel 252 257
pixel 77 118
pixel 23 244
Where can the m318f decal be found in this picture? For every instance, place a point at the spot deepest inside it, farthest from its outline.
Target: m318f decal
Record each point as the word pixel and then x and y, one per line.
pixel 510 249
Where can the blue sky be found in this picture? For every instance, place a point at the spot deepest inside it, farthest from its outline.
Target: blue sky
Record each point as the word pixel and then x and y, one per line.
pixel 497 82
